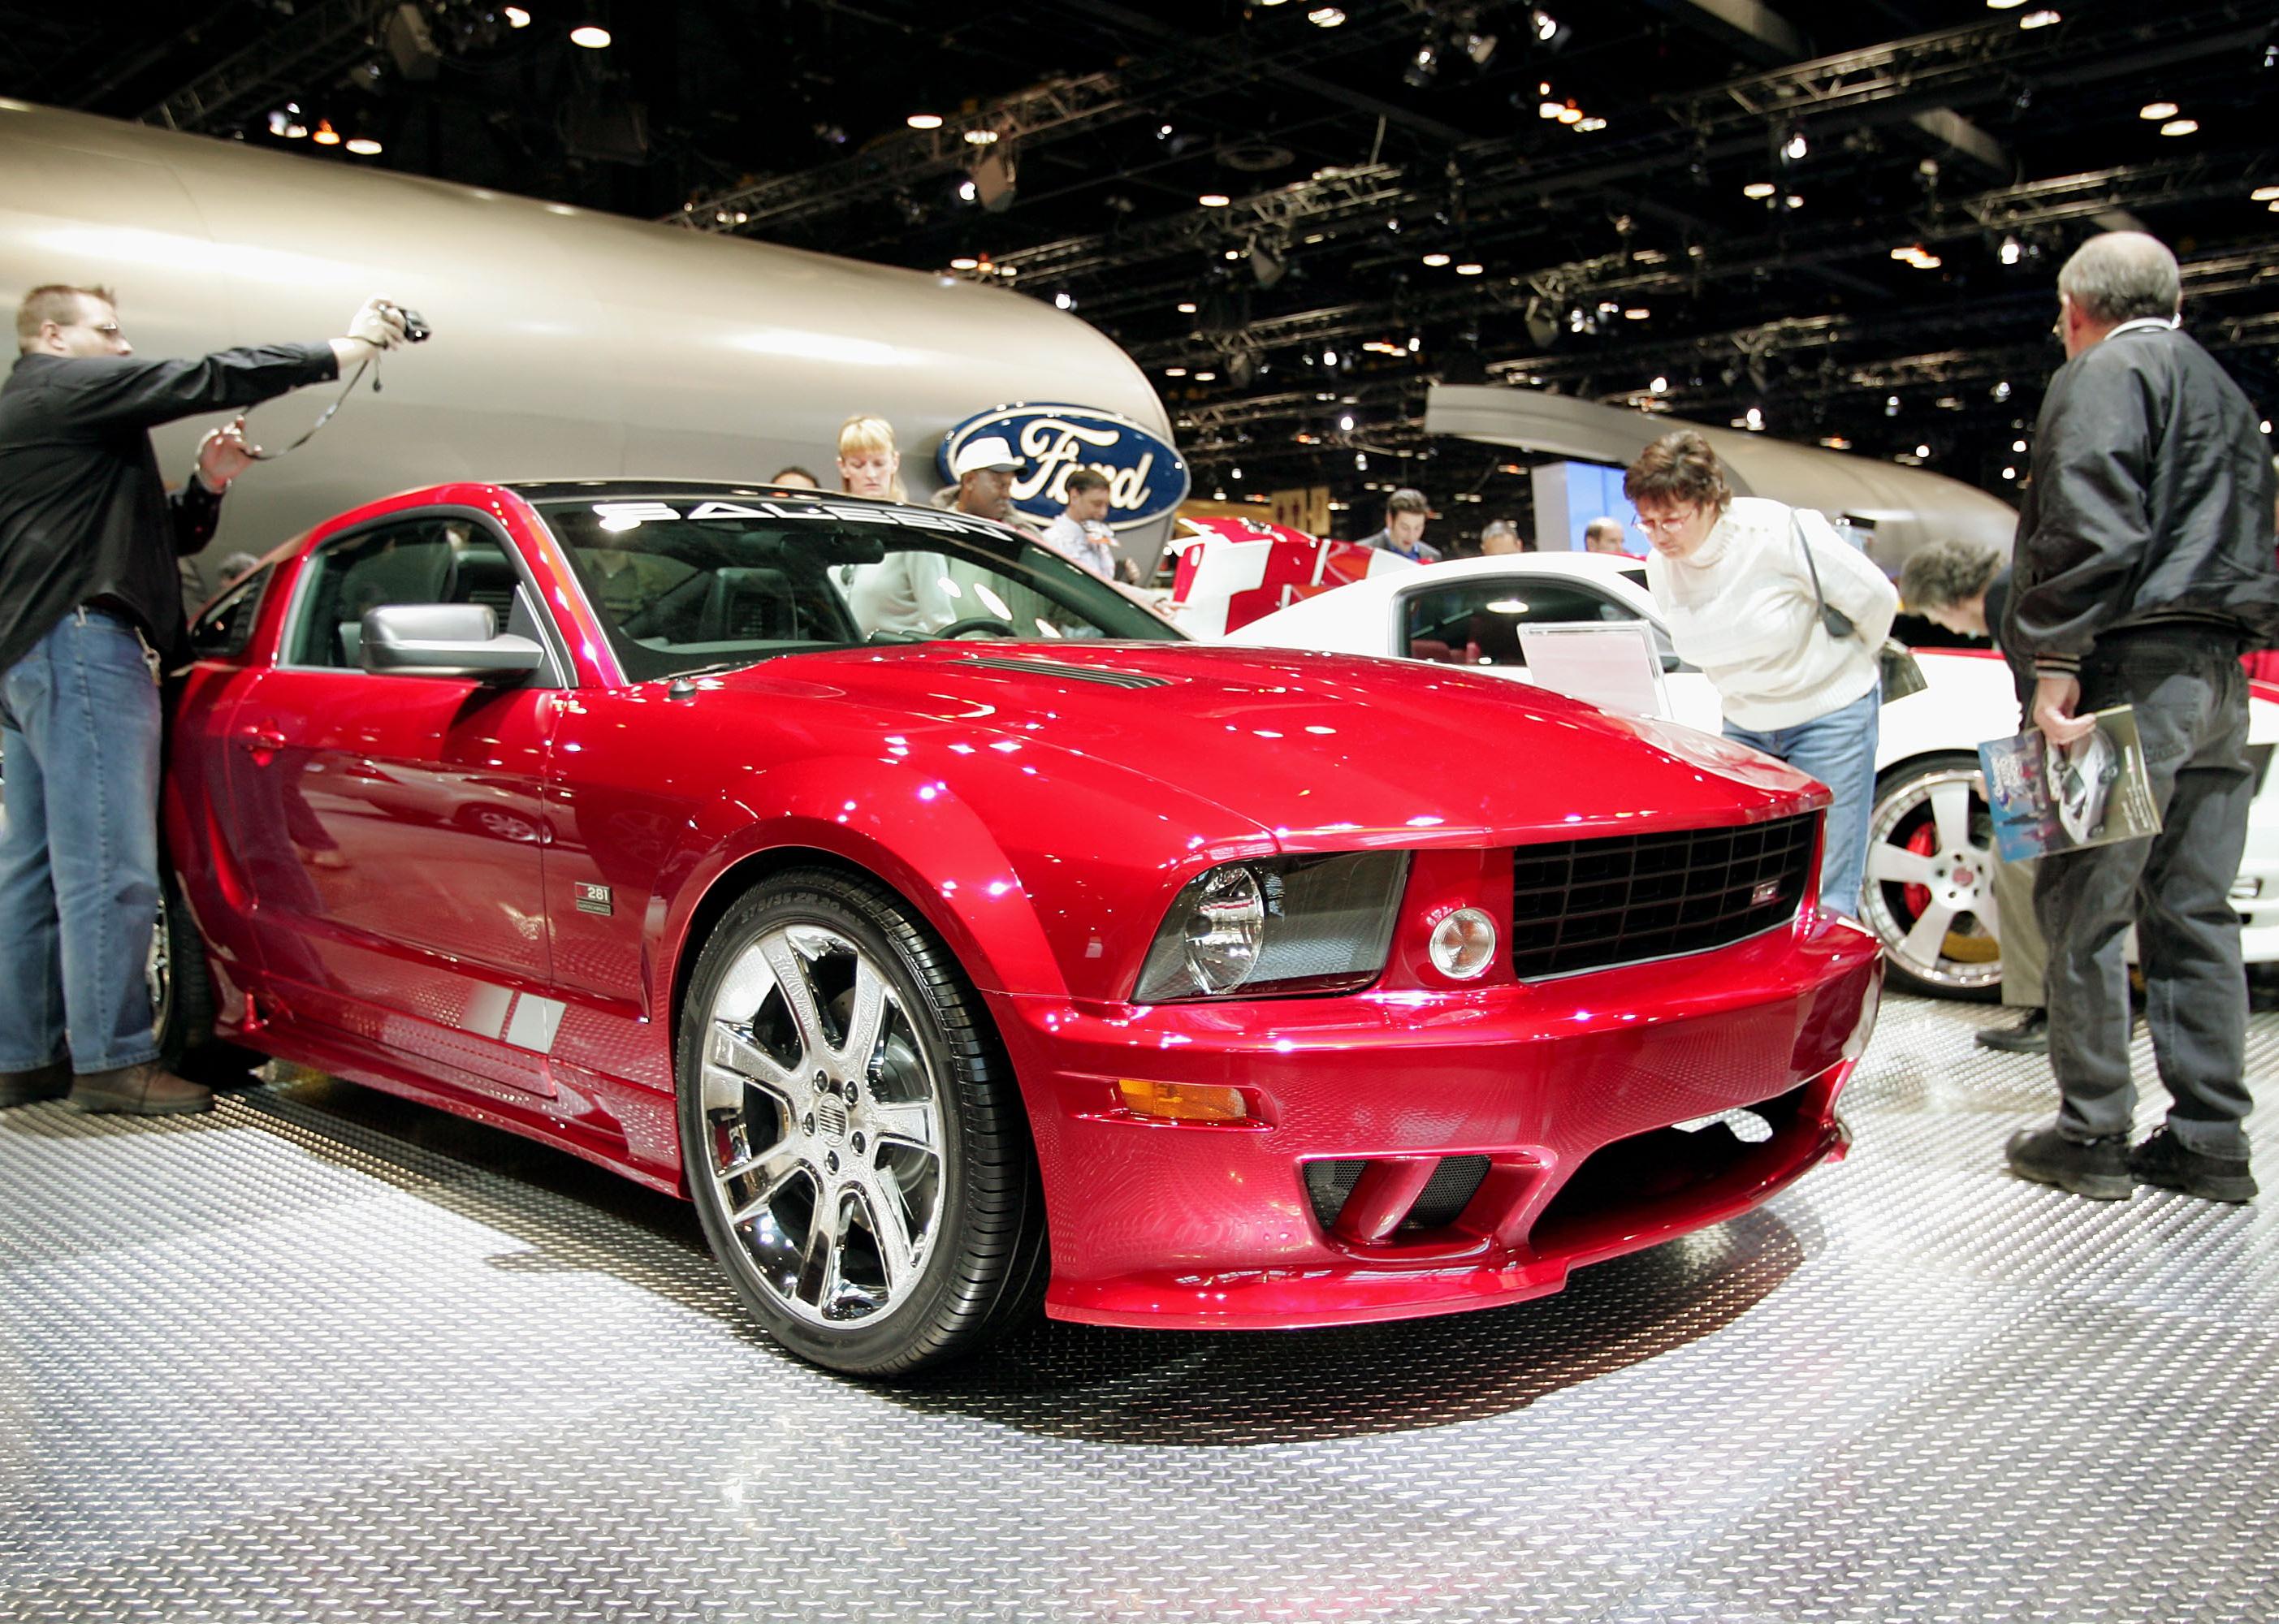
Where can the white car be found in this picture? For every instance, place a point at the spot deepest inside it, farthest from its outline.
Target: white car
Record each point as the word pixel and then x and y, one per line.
pixel 1930 836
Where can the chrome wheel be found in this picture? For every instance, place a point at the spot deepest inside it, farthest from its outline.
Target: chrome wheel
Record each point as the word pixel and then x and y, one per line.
pixel 1929 893
pixel 822 1127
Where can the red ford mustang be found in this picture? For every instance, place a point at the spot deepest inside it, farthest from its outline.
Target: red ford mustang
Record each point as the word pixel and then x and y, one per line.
pixel 954 934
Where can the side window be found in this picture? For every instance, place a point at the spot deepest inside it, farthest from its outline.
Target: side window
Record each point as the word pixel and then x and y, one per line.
pixel 1477 622
pixel 226 626
pixel 433 560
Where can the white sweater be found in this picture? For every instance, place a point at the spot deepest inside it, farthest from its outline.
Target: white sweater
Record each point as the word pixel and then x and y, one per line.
pixel 1741 607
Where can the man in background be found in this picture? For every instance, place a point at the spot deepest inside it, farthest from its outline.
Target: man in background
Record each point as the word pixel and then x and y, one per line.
pixel 1079 534
pixel 1499 536
pixel 1603 535
pixel 1966 591
pixel 1403 535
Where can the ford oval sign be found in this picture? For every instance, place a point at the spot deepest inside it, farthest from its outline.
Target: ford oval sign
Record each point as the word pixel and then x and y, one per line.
pixel 1147 477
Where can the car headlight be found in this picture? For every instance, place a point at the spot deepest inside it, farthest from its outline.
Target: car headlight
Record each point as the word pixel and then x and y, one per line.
pixel 1276 926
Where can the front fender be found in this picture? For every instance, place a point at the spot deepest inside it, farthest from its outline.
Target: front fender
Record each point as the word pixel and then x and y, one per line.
pixel 913 832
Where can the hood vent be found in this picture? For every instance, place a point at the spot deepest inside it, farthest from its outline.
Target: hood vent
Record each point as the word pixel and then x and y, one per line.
pixel 1099 674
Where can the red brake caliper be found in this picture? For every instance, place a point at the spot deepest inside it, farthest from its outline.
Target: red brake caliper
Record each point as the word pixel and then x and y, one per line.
pixel 1920 843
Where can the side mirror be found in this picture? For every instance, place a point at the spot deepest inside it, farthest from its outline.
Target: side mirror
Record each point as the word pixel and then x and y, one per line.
pixel 445 639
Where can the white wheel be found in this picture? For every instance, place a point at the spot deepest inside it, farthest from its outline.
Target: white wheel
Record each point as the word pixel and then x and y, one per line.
pixel 1930 892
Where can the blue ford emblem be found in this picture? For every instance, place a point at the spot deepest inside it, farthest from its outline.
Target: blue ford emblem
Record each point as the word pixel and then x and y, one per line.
pixel 1147 477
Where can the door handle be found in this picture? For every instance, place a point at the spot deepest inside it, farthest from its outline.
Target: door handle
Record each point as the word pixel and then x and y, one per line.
pixel 263 736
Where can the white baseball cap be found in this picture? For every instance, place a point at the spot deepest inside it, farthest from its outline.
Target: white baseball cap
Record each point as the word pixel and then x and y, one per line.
pixel 991 451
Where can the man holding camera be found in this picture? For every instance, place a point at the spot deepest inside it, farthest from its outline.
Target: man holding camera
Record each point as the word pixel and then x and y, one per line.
pixel 90 609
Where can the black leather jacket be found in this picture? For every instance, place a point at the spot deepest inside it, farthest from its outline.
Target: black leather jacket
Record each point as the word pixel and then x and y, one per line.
pixel 2149 504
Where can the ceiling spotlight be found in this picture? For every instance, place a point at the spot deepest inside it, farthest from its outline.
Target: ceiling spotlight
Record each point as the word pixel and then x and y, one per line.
pixel 1436 260
pixel 2154 112
pixel 1754 419
pixel 1471 267
pixel 1174 371
pixel 2181 127
pixel 1637 313
pixel 924 121
pixel 326 134
pixel 1064 299
pixel 981 138
pixel 1550 110
pixel 1793 201
pixel 1423 66
pixel 295 130
pixel 1345 423
pixel 1589 126
pixel 1660 385
pixel 1415 343
pixel 2011 252
pixel 2009 473
pixel 1922 451
pixel 1329 357
pixel 516 16
pixel 1795 147
pixel 1186 307
pixel 2261 194
pixel 1231 253
pixel 1547 29
pixel 1215 200
pixel 1325 16
pixel 279 119
pixel 591 35
pixel 1835 442
pixel 1759 188
pixel 363 146
pixel 967 191
pixel 2004 6
pixel 2017 445
pixel 1570 114
pixel 1360 461
pixel 1206 377
pixel 2039 19
pixel 965 261
pixel 1479 48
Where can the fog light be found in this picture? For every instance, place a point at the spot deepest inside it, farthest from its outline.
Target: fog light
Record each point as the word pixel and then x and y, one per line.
pixel 1463 944
pixel 1182 1102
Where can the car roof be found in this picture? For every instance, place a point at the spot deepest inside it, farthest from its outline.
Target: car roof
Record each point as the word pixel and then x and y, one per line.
pixel 618 485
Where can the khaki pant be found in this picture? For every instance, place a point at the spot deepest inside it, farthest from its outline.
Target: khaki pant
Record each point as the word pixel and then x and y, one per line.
pixel 2024 954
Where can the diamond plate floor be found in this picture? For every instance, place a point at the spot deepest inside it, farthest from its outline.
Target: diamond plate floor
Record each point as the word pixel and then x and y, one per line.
pixel 324 1356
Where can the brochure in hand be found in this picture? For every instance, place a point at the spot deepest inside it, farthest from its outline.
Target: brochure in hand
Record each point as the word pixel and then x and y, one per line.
pixel 2049 800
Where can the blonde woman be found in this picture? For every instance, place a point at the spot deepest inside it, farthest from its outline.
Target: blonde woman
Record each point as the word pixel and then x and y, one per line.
pixel 869 463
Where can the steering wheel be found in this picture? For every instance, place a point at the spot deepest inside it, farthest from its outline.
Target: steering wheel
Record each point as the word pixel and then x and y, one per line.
pixel 977 622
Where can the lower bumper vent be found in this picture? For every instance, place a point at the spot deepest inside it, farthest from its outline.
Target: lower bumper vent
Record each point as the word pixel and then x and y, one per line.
pixel 1442 1200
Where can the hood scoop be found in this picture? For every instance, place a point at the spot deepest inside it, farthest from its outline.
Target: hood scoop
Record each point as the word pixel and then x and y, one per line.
pixel 1102 675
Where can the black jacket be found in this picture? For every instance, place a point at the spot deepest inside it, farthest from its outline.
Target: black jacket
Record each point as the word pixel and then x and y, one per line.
pixel 2151 502
pixel 2022 670
pixel 83 513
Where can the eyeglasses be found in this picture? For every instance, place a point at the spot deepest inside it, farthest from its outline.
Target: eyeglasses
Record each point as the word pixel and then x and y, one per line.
pixel 1669 525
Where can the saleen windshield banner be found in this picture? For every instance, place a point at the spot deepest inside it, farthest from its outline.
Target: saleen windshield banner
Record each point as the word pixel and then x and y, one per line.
pixel 1147 477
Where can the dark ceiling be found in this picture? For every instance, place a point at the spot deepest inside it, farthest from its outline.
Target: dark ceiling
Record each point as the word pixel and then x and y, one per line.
pixel 1616 247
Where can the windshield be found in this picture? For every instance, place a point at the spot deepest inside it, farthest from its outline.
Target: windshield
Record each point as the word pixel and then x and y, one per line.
pixel 684 582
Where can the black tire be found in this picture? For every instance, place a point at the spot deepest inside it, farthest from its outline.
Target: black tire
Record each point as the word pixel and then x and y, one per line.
pixel 873 1199
pixel 1965 959
pixel 182 989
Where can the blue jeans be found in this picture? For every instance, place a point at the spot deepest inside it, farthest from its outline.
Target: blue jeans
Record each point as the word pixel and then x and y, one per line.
pixel 79 848
pixel 1839 750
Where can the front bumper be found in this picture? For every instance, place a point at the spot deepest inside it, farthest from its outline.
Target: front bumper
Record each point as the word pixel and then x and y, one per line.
pixel 1562 1096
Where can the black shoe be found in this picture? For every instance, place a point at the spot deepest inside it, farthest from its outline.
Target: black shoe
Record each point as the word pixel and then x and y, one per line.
pixel 2167 1161
pixel 2097 1168
pixel 2030 1035
pixel 51 1081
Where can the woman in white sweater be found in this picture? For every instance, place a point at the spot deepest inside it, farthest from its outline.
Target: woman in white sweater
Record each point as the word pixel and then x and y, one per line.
pixel 1733 578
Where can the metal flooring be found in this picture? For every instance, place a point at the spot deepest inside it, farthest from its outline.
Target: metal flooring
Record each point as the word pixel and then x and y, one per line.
pixel 327 1356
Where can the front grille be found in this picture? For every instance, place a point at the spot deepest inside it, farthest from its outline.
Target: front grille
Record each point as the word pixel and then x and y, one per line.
pixel 1586 905
pixel 1329 1184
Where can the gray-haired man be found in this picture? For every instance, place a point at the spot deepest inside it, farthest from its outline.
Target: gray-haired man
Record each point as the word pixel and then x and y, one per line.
pixel 2145 566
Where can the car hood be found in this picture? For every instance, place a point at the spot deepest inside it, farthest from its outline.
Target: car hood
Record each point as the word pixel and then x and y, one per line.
pixel 1322 751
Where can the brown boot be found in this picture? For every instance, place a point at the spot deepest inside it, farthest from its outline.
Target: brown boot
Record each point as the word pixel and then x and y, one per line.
pixel 51 1081
pixel 147 1089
